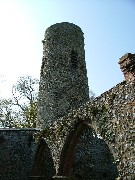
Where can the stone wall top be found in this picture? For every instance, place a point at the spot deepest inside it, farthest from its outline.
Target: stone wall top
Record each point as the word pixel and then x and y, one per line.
pixel 19 129
pixel 127 66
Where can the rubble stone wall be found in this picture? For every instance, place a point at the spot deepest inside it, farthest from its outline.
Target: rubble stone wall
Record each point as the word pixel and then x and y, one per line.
pixel 92 158
pixel 63 78
pixel 111 116
pixel 98 151
pixel 17 153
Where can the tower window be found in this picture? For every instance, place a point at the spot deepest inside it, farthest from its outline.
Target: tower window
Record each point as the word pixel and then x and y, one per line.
pixel 74 57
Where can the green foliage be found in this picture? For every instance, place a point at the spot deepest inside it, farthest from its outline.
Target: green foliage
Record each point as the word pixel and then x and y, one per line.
pixel 31 115
pixel 20 111
pixel 5 113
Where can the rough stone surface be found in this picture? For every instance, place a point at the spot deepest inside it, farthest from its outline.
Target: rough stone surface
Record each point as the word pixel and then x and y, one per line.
pixel 43 165
pixel 127 65
pixel 17 152
pixel 111 116
pixel 84 139
pixel 92 158
pixel 63 79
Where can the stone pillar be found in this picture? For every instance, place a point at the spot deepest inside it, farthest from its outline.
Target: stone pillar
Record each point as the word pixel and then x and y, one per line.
pixel 127 65
pixel 63 78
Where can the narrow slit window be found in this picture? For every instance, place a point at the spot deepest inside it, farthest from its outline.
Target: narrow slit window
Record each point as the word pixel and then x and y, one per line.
pixel 74 57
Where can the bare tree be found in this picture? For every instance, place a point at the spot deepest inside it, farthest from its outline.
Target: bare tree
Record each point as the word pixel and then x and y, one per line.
pixel 25 94
pixel 21 109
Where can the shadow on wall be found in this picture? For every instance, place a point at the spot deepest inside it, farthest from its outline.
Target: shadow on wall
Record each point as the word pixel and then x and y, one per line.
pixel 86 156
pixel 43 165
pixel 17 151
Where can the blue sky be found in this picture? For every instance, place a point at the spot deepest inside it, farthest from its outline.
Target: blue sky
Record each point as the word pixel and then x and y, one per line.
pixel 108 26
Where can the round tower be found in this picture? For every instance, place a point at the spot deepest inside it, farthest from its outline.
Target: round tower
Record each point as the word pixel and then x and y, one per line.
pixel 63 77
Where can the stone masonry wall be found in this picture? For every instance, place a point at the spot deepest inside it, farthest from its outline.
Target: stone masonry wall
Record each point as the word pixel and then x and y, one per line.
pixel 17 153
pixel 92 158
pixel 112 116
pixel 94 138
pixel 63 78
pixel 43 164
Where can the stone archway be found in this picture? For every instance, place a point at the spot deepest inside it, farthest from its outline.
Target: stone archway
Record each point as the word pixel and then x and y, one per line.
pixel 43 166
pixel 87 155
pixel 69 148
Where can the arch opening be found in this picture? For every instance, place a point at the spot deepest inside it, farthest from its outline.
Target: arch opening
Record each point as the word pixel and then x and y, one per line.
pixel 86 154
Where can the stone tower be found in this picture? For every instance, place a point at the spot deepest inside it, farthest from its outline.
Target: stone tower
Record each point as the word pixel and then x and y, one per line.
pixel 63 77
